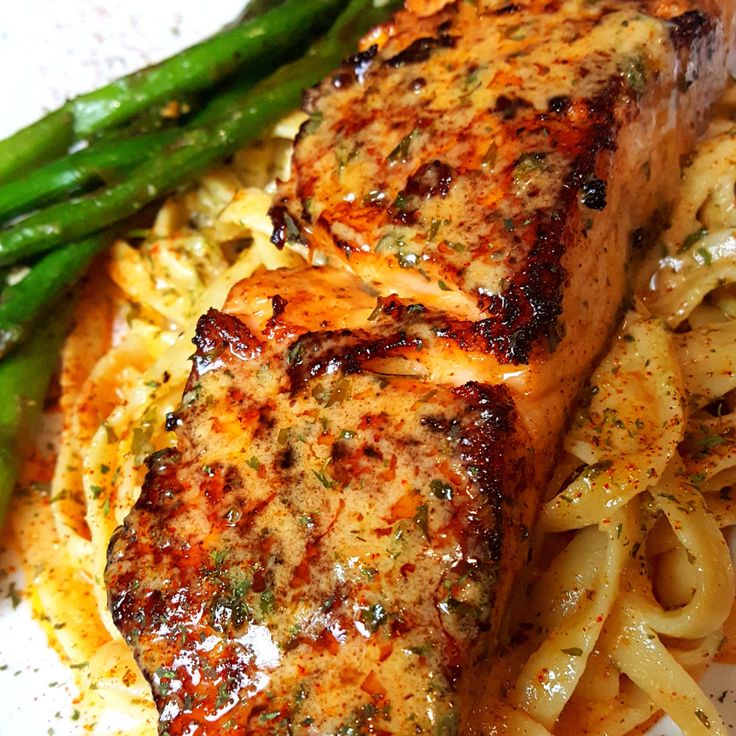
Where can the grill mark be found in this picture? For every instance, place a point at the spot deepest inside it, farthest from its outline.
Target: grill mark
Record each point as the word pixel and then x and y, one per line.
pixel 219 334
pixel 420 50
pixel 559 104
pixel 689 32
pixel 266 420
pixel 319 353
pixel 509 107
pixel 284 227
pixel 509 9
pixel 278 305
pixel 160 479
pixel 430 180
pixel 286 458
pixel 689 28
pixel 355 68
pixel 593 194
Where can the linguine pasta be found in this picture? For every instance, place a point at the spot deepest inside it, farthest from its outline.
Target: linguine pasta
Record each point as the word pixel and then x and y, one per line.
pixel 631 582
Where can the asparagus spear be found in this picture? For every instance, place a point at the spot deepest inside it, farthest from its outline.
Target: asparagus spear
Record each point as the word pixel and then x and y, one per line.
pixel 98 164
pixel 24 381
pixel 230 121
pixel 261 40
pixel 257 41
pixel 37 143
pixel 23 304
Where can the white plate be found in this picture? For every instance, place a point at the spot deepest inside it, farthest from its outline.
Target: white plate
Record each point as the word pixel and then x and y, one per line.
pixel 49 50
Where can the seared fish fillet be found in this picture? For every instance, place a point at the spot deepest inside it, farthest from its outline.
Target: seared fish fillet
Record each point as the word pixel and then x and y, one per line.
pixel 363 445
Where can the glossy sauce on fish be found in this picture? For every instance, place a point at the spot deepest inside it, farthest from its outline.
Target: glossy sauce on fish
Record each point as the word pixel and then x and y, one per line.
pixel 363 446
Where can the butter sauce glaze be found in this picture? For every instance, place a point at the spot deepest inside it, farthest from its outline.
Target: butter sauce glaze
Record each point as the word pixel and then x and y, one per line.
pixel 362 447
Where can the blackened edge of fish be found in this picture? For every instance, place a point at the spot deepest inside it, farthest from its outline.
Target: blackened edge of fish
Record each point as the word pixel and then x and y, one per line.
pixel 527 313
pixel 690 27
pixel 354 68
pixel 318 353
pixel 420 50
pixel 156 496
pixel 218 332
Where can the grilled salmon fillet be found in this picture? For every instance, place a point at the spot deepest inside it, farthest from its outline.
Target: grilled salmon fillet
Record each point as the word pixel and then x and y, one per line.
pixel 363 444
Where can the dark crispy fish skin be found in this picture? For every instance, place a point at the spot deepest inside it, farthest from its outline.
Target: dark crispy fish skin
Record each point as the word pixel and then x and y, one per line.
pixel 330 547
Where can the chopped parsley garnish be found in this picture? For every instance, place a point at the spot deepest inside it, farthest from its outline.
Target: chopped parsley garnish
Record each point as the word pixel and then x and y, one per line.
pixel 401 152
pixel 693 238
pixel 268 602
pixel 705 256
pixel 573 651
pixel 702 717
pixel 441 489
pixel 421 519
pixel 322 476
